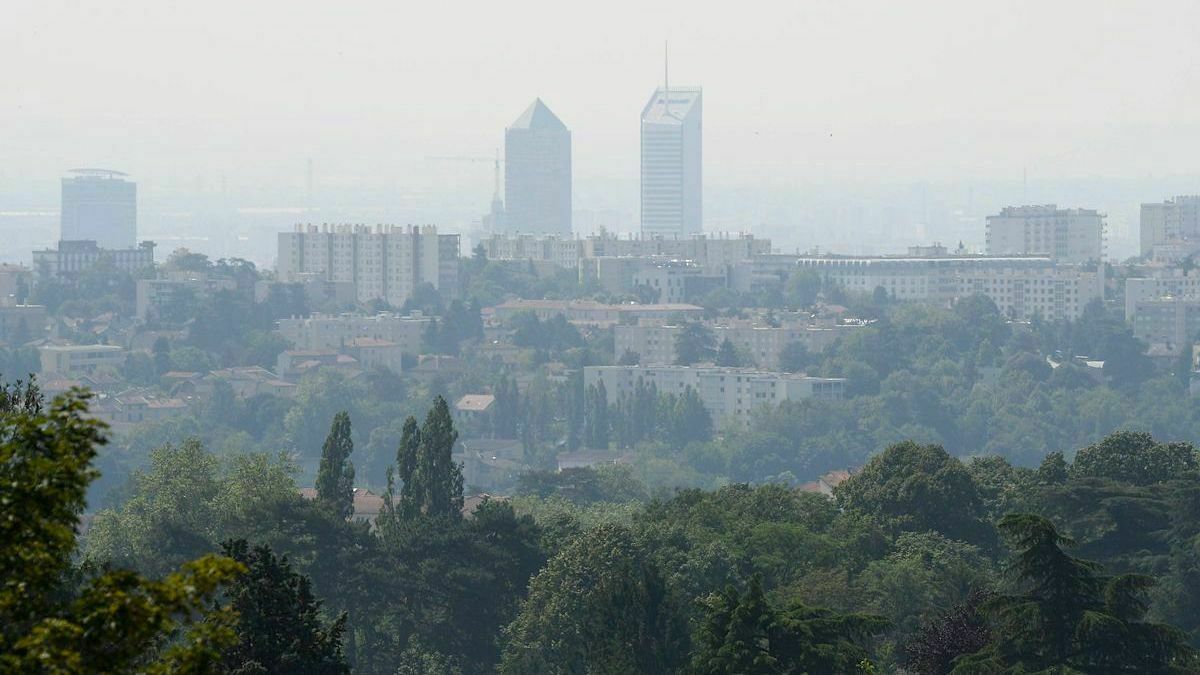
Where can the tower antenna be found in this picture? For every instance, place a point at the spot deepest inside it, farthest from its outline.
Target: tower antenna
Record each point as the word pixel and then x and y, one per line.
pixel 666 77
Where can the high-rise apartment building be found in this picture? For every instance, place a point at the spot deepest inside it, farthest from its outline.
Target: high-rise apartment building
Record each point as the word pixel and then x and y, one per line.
pixel 1069 235
pixel 1171 229
pixel 671 162
pixel 537 173
pixel 101 206
pixel 384 262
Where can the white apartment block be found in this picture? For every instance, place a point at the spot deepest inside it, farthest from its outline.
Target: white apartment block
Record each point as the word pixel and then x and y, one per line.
pixel 654 343
pixel 1169 283
pixel 80 359
pixel 384 262
pixel 711 251
pixel 72 258
pixel 1069 235
pixel 1170 324
pixel 561 251
pixel 730 395
pixel 338 331
pixel 155 294
pixel 1021 286
pixel 1170 230
pixel 590 312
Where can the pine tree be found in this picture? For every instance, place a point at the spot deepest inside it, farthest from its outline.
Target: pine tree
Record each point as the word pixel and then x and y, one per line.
pixel 335 475
pixel 1068 617
pixel 280 629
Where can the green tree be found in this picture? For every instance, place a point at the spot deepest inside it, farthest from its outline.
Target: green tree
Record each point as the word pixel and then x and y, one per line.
pixel 747 635
pixel 596 424
pixel 335 474
pixel 116 620
pixel 1064 616
pixel 689 419
pixel 694 343
pixel 727 355
pixel 599 606
pixel 280 629
pixel 794 358
pixel 1134 457
pixel 432 482
pixel 916 488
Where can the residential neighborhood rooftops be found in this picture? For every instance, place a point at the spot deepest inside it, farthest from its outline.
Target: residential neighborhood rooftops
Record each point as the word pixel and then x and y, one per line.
pixel 475 403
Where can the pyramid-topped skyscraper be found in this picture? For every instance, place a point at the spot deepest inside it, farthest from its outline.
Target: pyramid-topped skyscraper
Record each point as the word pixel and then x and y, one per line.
pixel 537 173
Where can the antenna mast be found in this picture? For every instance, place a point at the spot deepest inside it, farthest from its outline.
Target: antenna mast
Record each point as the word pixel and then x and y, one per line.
pixel 666 77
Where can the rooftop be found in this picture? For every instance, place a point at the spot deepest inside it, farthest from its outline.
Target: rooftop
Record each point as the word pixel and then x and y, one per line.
pixel 671 106
pixel 537 117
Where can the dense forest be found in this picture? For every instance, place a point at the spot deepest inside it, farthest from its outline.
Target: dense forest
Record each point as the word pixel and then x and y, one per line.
pixel 919 563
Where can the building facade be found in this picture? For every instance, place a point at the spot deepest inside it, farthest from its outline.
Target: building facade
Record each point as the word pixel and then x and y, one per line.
pixel 153 296
pixel 537 173
pixel 730 395
pixel 72 258
pixel 714 250
pixel 1170 230
pixel 1069 235
pixel 336 331
pixel 1021 286
pixel 101 206
pixel 671 197
pixel 80 359
pixel 590 312
pixel 384 262
pixel 654 342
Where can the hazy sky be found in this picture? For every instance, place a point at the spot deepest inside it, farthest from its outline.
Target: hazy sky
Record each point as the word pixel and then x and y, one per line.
pixel 794 91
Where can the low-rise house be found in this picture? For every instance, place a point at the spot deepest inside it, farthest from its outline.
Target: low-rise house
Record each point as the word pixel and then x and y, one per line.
pixel 490 463
pixel 583 458
pixel 375 353
pixel 80 359
pixel 294 364
pixel 246 382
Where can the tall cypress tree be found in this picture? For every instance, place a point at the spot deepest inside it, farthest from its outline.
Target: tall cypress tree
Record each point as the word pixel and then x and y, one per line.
pixel 445 493
pixel 406 466
pixel 435 483
pixel 335 475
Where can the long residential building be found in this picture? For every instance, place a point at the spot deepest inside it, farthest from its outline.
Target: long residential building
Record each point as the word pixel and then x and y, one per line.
pixel 590 312
pixel 654 343
pixel 1021 286
pixel 74 257
pixel 339 331
pixel 730 395
pixel 384 262
pixel 1069 235
pixel 714 250
pixel 156 296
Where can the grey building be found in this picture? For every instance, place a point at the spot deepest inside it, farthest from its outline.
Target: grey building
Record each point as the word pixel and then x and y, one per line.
pixel 99 205
pixel 671 162
pixel 537 173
